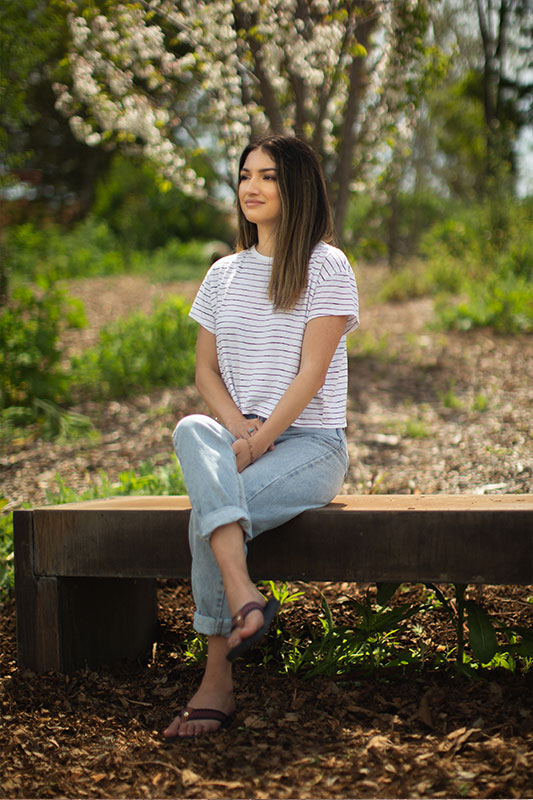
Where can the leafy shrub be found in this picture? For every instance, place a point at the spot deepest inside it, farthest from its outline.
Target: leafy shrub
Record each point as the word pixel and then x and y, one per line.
pixel 419 279
pixel 144 212
pixel 89 249
pixel 502 303
pixel 368 229
pixel 490 268
pixel 175 261
pixel 30 327
pixel 139 352
pixel 6 550
pixel 145 480
pixel 48 420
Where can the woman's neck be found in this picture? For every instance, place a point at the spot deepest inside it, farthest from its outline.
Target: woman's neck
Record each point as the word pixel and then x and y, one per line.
pixel 266 241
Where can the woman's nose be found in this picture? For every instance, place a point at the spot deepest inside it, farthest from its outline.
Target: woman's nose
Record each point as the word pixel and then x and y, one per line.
pixel 252 185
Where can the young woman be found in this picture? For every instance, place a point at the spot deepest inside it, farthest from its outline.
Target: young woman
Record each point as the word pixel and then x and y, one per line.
pixel 272 368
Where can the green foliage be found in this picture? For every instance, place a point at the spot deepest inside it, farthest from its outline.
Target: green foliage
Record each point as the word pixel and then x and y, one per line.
pixel 369 643
pixel 175 261
pixel 483 255
pixel 375 638
pixel 138 353
pixel 91 249
pixel 87 250
pixel 376 227
pixel 30 327
pixel 146 480
pixel 485 649
pixel 48 420
pixel 28 33
pixel 144 211
pixel 6 550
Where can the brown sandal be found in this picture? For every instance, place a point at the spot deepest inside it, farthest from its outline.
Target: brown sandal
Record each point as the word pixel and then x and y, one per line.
pixel 191 714
pixel 268 611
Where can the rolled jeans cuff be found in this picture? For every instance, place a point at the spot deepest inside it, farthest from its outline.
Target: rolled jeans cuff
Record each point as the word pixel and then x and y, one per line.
pixel 224 516
pixel 208 626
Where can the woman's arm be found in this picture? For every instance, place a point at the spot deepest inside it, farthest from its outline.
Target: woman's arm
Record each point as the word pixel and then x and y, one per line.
pixel 321 337
pixel 212 388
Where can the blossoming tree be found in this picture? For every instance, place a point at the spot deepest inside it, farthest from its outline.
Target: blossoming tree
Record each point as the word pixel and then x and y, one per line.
pixel 174 78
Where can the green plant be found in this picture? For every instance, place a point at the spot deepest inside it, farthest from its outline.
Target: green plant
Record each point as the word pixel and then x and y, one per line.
pixel 30 327
pixel 450 399
pixel 415 429
pixel 145 480
pixel 48 420
pixel 405 283
pixel 87 249
pixel 503 302
pixel 367 345
pixel 175 260
pixel 482 635
pixel 146 211
pixel 371 642
pixel 138 353
pixel 480 403
pixel 6 549
pixel 91 249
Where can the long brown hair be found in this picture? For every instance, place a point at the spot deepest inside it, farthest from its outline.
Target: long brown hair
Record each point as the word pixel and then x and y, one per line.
pixel 305 216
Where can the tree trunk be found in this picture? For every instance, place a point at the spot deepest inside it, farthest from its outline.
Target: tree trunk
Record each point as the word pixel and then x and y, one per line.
pixel 344 167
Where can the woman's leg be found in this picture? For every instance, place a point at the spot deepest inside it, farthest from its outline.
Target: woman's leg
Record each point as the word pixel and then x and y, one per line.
pixel 216 688
pixel 215 692
pixel 219 575
pixel 303 471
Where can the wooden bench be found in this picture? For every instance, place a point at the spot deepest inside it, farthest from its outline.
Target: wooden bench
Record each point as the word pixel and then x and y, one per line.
pixel 86 572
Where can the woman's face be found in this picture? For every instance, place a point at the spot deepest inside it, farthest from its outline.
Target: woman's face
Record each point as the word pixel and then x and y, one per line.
pixel 259 195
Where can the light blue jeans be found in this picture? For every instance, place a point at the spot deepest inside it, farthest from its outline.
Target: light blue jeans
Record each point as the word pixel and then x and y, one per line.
pixel 305 470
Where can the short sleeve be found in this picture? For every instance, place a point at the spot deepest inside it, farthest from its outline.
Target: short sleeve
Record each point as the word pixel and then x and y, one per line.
pixel 336 295
pixel 202 309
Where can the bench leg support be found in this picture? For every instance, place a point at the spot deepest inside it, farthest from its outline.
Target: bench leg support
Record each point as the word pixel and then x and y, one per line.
pixel 67 623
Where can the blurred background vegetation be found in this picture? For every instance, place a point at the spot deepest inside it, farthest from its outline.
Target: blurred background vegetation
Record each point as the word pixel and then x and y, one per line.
pixel 451 214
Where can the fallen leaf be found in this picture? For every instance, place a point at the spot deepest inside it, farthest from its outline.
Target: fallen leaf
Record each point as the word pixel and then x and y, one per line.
pixel 189 778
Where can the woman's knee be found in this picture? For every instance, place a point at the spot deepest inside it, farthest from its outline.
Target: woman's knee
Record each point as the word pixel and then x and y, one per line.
pixel 189 428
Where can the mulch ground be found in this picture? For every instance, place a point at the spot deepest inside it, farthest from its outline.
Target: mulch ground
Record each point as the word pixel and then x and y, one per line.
pixel 428 412
pixel 424 733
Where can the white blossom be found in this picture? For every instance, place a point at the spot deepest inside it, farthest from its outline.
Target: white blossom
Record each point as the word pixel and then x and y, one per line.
pixel 233 66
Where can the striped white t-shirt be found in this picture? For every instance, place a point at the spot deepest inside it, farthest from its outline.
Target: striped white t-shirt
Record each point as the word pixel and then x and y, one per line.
pixel 259 347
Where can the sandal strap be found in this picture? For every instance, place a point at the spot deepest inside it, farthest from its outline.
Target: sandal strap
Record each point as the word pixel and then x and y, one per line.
pixel 189 714
pixel 241 615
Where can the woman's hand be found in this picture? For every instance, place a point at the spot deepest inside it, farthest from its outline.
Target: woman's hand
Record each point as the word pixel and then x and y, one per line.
pixel 244 428
pixel 246 449
pixel 243 454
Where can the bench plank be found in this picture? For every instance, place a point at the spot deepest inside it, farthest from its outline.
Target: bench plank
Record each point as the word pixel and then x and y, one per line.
pixel 457 538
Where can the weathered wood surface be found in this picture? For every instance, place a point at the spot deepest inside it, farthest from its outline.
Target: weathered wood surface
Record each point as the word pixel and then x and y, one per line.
pixel 84 572
pixel 458 538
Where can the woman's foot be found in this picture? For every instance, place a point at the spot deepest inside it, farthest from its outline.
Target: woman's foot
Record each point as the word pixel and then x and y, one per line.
pixel 249 623
pixel 227 544
pixel 183 726
pixel 267 611
pixel 215 693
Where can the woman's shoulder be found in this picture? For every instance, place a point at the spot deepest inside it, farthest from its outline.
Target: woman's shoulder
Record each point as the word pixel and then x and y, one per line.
pixel 221 267
pixel 328 259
